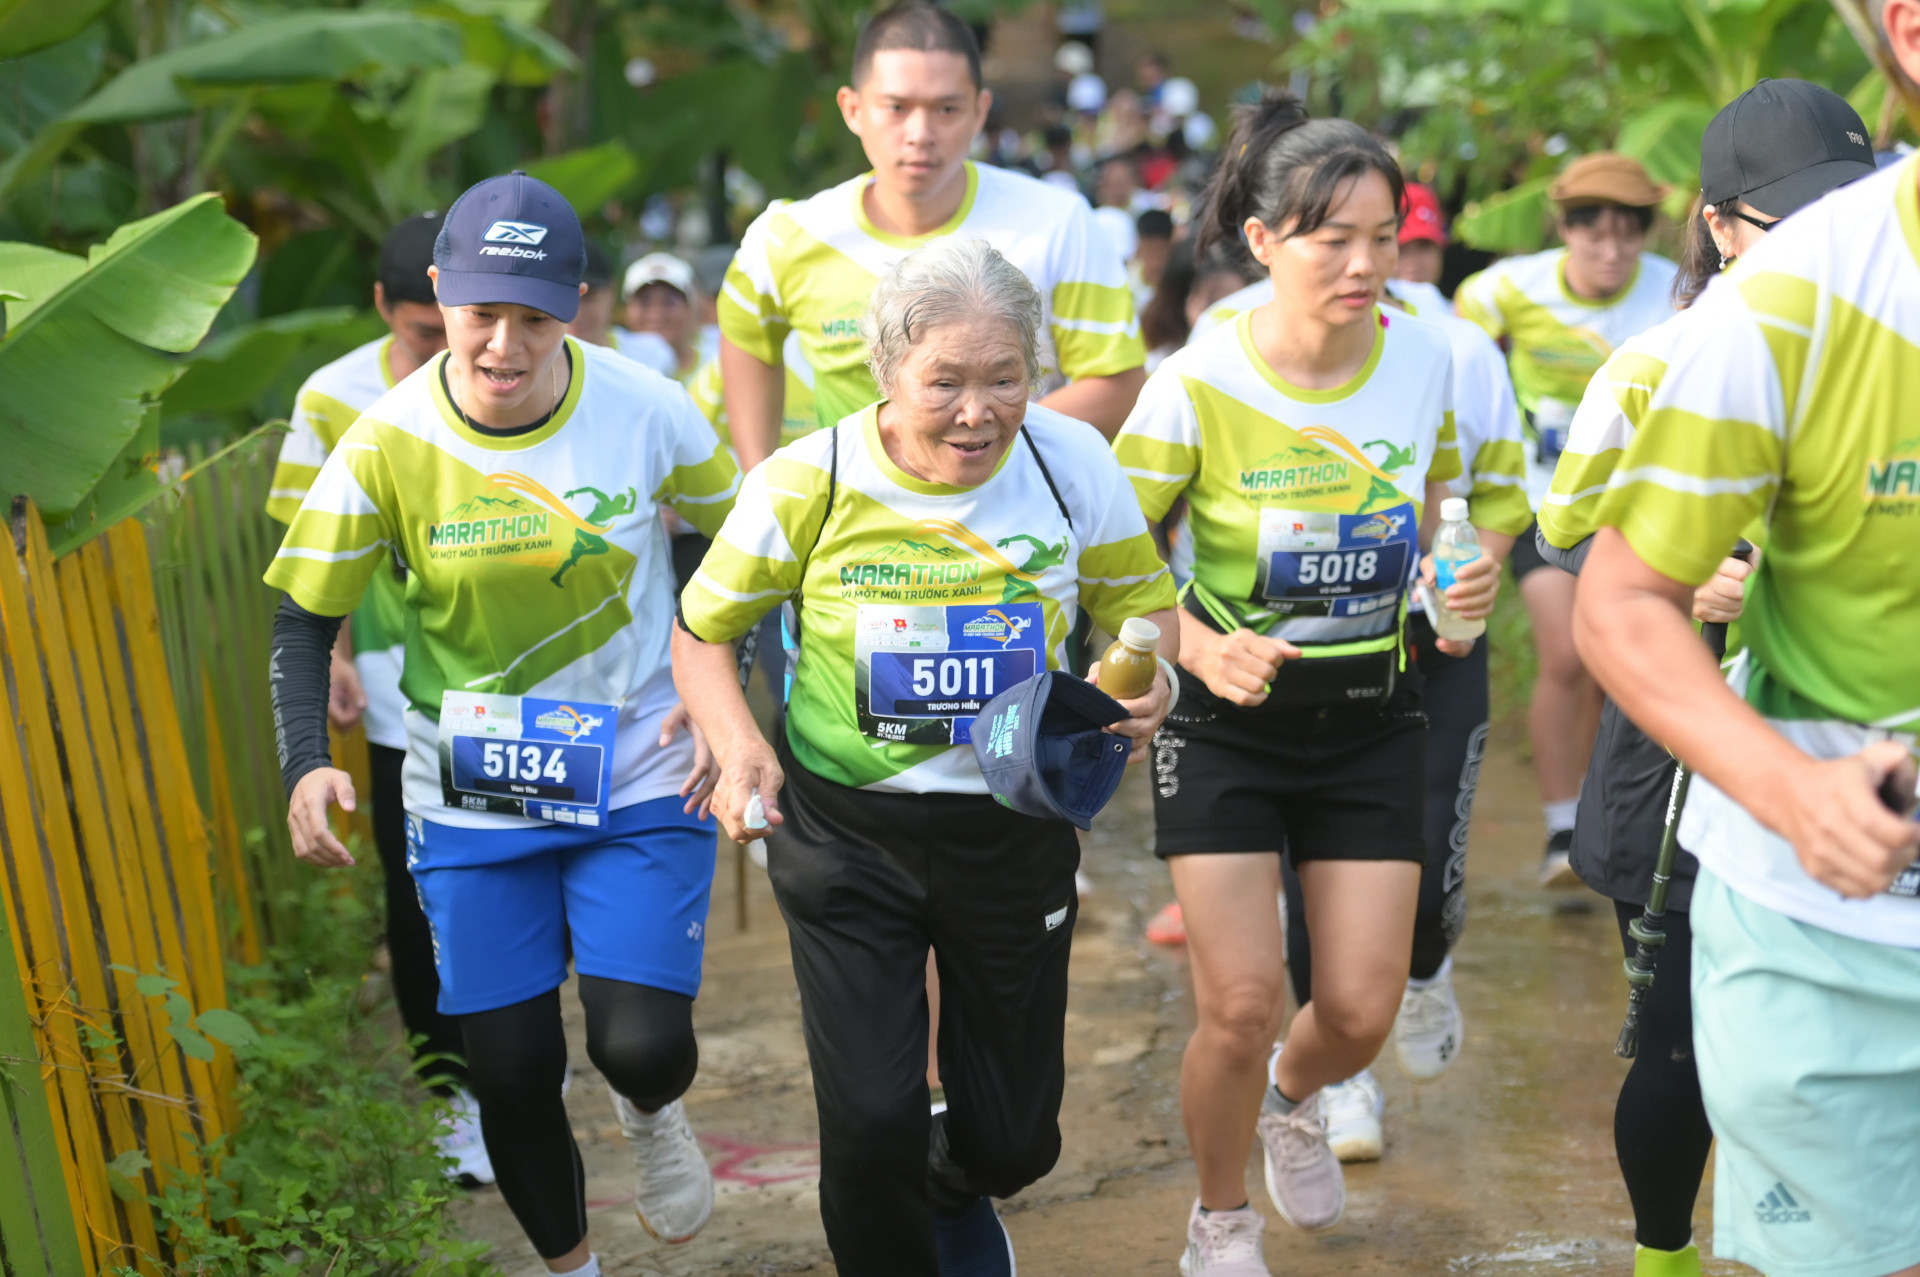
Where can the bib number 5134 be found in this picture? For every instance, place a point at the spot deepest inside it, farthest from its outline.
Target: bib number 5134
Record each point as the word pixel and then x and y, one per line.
pixel 510 760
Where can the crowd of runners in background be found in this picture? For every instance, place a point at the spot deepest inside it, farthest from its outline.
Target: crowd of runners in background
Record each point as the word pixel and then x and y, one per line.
pixel 941 424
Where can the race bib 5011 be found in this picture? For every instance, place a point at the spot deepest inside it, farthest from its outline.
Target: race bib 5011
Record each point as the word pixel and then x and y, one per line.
pixel 921 674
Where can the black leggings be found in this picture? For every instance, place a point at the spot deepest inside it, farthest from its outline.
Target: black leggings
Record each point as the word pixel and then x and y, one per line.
pixel 1454 696
pixel 1660 1131
pixel 641 1040
pixel 438 1052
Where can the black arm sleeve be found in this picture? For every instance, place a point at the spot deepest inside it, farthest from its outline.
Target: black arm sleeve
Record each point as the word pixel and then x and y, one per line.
pixel 300 676
pixel 1566 560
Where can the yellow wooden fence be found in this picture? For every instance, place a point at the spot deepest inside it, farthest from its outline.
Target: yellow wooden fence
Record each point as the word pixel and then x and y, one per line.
pixel 107 871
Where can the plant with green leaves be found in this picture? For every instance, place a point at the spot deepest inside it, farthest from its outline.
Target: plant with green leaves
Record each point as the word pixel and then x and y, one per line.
pixel 334 1167
pixel 84 358
pixel 1489 97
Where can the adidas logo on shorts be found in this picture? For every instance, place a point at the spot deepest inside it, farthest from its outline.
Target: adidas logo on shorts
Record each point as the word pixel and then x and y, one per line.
pixel 1779 1207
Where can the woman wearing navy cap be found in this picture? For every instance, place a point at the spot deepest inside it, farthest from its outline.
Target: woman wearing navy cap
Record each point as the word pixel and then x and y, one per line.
pixel 550 792
pixel 938 546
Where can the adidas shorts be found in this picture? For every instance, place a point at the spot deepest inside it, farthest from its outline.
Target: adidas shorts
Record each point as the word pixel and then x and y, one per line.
pixel 1809 1049
pixel 507 905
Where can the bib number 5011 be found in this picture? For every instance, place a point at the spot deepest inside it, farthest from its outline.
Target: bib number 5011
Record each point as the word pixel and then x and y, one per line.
pixel 1339 567
pixel 508 760
pixel 953 676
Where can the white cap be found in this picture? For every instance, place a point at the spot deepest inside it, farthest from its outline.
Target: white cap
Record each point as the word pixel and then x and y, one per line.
pixel 1073 58
pixel 1179 96
pixel 1140 634
pixel 658 268
pixel 1087 93
pixel 1453 510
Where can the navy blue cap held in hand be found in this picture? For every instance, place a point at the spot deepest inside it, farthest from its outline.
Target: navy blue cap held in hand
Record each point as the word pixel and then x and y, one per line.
pixel 1042 751
pixel 512 239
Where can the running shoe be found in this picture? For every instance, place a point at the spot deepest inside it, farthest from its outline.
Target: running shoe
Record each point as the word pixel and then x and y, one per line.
pixel 1303 1176
pixel 974 1244
pixel 461 1141
pixel 1648 1262
pixel 1556 868
pixel 1168 926
pixel 674 1192
pixel 1354 1108
pixel 1429 1032
pixel 1225 1243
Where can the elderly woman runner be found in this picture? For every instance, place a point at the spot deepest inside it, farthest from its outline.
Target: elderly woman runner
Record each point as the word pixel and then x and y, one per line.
pixel 952 518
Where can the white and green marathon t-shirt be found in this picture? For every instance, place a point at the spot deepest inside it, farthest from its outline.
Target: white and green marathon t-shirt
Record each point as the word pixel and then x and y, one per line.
pixel 1486 421
pixel 329 402
pixel 919 601
pixel 536 563
pixel 1557 341
pixel 1791 398
pixel 811 265
pixel 1304 505
pixel 1614 405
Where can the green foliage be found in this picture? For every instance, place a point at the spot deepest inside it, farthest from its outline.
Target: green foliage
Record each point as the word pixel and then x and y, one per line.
pixel 333 1169
pixel 27 26
pixel 81 363
pixel 1488 97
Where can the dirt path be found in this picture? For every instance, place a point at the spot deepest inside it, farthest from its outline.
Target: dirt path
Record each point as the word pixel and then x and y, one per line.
pixel 1503 1166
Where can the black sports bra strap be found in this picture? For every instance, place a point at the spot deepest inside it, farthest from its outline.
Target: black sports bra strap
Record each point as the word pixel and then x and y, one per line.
pixel 1047 475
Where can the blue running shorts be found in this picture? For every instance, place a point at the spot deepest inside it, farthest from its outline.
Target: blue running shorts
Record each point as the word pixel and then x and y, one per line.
pixel 1809 1051
pixel 504 903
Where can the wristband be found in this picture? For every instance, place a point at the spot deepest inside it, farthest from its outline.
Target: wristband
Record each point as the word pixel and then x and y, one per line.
pixel 1173 682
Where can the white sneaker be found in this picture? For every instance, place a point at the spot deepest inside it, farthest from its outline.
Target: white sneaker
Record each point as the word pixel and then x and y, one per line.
pixel 462 1141
pixel 1225 1243
pixel 1303 1175
pixel 1429 1032
pixel 1354 1108
pixel 674 1192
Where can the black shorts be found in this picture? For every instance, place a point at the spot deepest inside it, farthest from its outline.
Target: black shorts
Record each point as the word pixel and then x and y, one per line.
pixel 1525 556
pixel 1327 784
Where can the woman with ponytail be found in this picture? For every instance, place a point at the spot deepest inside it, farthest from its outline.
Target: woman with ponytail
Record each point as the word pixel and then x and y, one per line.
pixel 1312 438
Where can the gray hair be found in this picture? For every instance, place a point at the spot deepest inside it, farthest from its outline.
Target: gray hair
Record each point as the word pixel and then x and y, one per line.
pixel 946 280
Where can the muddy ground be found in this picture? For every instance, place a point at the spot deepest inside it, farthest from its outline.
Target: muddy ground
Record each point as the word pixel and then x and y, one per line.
pixel 1502 1166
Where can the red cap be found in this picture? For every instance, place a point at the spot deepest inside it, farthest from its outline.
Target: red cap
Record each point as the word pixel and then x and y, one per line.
pixel 1423 219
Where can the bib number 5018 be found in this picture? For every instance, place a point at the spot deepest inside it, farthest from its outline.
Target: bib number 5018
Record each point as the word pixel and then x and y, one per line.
pixel 512 761
pixel 1340 566
pixel 953 676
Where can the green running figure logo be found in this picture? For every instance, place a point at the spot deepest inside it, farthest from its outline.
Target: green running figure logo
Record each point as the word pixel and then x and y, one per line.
pixel 605 510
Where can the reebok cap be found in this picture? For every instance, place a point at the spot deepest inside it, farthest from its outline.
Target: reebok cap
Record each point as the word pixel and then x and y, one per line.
pixel 512 239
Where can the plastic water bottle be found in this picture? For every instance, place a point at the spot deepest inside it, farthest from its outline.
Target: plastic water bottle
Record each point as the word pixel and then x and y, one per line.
pixel 1456 543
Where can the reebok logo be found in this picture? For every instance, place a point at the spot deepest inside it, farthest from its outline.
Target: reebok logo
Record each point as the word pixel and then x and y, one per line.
pixel 1779 1207
pixel 494 250
pixel 504 232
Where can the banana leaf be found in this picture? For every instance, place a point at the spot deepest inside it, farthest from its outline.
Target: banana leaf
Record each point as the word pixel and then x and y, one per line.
pixel 315 46
pixel 589 177
pixel 1514 221
pixel 84 359
pixel 30 25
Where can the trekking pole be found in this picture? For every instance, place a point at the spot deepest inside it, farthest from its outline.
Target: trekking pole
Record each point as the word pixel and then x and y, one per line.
pixel 1649 930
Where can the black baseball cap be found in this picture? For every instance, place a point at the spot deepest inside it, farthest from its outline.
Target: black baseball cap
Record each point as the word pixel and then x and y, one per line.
pixel 1782 145
pixel 405 254
pixel 1042 752
pixel 512 239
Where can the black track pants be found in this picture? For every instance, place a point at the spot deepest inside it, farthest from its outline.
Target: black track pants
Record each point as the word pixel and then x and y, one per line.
pixel 867 881
pixel 641 1040
pixel 416 985
pixel 1660 1130
pixel 1454 697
